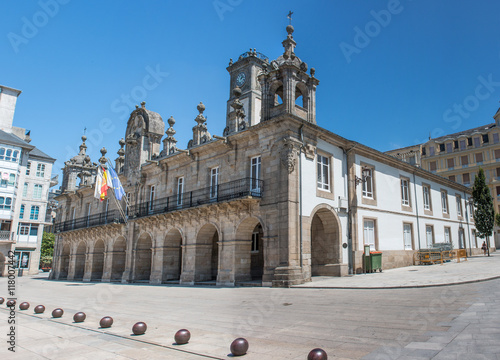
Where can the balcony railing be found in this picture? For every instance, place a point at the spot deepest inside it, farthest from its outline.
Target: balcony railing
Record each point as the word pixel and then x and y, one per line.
pixel 4 234
pixel 233 190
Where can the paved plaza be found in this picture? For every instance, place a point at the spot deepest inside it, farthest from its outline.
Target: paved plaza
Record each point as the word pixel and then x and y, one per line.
pixel 389 315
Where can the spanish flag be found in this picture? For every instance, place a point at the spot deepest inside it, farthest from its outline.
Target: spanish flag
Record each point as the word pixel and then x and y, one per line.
pixel 106 183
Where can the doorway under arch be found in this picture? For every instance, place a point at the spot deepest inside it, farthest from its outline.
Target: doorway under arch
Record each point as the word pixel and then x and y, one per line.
pixel 80 256
pixel 172 256
pixel 118 259
pixel 207 254
pixel 63 271
pixel 97 261
pixel 325 244
pixel 143 253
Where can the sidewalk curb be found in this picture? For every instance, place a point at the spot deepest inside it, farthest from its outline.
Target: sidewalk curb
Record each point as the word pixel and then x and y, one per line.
pixel 393 287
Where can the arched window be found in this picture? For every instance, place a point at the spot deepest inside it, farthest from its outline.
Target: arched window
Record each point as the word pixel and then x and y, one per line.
pixel 34 212
pixel 8 154
pixel 15 154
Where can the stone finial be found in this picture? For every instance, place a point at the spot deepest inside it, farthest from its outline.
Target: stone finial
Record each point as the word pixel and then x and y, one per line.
pixel 143 104
pixel 120 160
pixel 312 71
pixel 289 44
pixel 137 107
pixel 230 62
pixel 103 159
pixel 289 30
pixel 237 92
pixel 200 133
pixel 169 143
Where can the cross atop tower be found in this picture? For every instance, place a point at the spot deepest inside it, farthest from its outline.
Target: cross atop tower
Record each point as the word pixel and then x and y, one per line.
pixel 289 16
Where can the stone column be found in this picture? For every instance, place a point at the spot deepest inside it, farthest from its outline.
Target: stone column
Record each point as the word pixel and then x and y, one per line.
pixel 72 264
pixel 89 260
pixel 129 255
pixel 108 264
pixel 156 265
pixel 188 264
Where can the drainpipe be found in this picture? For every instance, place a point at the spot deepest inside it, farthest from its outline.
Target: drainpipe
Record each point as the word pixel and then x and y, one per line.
pixel 349 221
pixel 467 221
pixel 301 134
pixel 416 208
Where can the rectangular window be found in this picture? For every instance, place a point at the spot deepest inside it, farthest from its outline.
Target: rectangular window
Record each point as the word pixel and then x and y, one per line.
pixel 441 147
pixel 471 211
pixel 466 178
pixel 431 151
pixel 449 148
pixel 37 191
pixel 479 158
pixel 464 160
pixel 127 203
pixel 2 153
pixel 495 138
pixel 40 170
pixel 28 167
pixel 367 183
pixel 34 212
pixel 214 182
pixel 429 235
pixel 151 197
pixel 477 143
pixel 255 174
pixel 498 172
pixel 180 190
pixel 447 235
pixel 459 205
pixel 444 201
pixel 25 190
pixel 462 145
pixel 451 163
pixel 407 235
pixel 5 203
pixel 427 198
pixel 369 233
pixel 255 242
pixel 486 139
pixel 452 178
pixel 23 229
pixel 21 212
pixel 405 194
pixel 323 163
pixel 497 154
pixel 22 259
pixel 432 166
pixel 498 191
pixel 12 180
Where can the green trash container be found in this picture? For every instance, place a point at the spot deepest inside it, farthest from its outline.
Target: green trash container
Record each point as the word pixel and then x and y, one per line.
pixel 376 261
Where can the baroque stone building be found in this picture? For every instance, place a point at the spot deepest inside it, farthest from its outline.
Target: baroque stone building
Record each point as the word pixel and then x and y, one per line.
pixel 276 198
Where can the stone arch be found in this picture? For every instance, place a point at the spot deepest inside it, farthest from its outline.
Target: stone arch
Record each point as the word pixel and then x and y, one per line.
pixel 143 257
pixel 325 242
pixel 80 257
pixel 172 255
pixel 276 91
pixel 301 95
pixel 2 264
pixel 64 267
pixel 207 253
pixel 249 249
pixel 97 261
pixel 118 259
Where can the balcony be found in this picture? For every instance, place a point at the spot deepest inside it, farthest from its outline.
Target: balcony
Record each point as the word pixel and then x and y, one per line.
pixel 4 235
pixel 234 190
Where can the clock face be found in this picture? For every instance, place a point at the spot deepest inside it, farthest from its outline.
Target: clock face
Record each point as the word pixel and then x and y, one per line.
pixel 240 79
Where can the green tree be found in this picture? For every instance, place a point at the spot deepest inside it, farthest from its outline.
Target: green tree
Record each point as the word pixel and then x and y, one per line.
pixel 484 212
pixel 47 249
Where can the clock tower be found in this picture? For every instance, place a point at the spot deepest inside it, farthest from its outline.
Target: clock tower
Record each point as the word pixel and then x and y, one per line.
pixel 244 104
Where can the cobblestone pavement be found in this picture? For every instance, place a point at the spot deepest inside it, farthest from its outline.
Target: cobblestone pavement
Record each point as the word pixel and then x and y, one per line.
pixel 443 322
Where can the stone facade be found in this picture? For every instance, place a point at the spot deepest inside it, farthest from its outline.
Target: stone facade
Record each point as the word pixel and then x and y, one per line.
pixel 276 199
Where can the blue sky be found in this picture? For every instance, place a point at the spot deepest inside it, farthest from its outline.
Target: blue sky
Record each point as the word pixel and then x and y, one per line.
pixel 391 72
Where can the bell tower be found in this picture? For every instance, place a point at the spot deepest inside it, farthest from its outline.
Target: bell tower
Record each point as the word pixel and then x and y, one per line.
pixel 243 75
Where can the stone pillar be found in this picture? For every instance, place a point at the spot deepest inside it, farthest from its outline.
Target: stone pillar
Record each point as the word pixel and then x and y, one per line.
pixel 72 264
pixel 156 265
pixel 108 266
pixel 129 255
pixel 89 260
pixel 226 264
pixel 188 264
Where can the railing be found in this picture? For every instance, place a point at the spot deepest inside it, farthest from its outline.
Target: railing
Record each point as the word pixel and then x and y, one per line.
pixel 233 190
pixel 4 234
pixel 256 54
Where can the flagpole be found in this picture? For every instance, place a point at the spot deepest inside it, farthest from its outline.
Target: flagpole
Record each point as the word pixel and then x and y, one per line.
pixel 118 205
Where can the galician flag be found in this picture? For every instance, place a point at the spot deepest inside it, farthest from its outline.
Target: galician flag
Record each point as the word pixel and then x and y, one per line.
pixel 117 185
pixel 98 183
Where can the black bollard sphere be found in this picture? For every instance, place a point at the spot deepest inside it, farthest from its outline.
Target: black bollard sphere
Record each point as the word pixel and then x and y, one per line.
pixel 182 337
pixel 57 313
pixel 39 309
pixel 1 300
pixel 24 306
pixel 79 317
pixel 239 347
pixel 106 322
pixel 317 354
pixel 11 303
pixel 139 328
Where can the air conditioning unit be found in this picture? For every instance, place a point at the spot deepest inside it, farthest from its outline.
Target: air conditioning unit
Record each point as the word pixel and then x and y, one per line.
pixel 343 202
